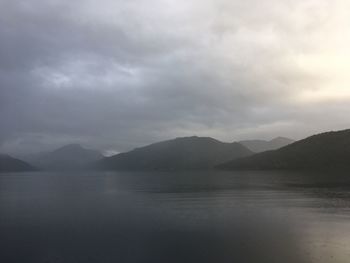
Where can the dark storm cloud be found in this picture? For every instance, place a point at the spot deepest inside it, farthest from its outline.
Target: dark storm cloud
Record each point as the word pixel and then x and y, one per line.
pixel 119 74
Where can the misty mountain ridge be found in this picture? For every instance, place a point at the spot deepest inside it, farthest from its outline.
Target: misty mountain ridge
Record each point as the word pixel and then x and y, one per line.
pixel 330 150
pixel 10 164
pixel 68 157
pixel 325 151
pixel 258 146
pixel 177 154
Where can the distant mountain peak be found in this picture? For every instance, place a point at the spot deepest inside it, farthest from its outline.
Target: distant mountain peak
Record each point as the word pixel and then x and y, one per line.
pixel 282 139
pixel 330 150
pixel 10 164
pixel 68 157
pixel 262 145
pixel 195 138
pixel 180 153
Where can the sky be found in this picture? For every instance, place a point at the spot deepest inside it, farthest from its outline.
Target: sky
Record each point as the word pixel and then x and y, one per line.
pixel 117 74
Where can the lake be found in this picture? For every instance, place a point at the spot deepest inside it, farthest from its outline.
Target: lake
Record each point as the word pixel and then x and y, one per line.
pixel 166 217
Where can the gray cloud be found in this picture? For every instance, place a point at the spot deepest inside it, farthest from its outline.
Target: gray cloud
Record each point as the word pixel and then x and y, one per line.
pixel 118 74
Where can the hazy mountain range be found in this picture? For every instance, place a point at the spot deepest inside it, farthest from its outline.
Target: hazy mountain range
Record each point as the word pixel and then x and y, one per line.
pixel 330 150
pixel 258 146
pixel 10 164
pixel 180 153
pixel 69 157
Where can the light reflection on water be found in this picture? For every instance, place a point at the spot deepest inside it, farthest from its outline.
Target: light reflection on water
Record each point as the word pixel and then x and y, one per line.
pixel 175 217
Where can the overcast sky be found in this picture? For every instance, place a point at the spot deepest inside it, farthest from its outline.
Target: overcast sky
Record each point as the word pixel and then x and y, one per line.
pixel 114 75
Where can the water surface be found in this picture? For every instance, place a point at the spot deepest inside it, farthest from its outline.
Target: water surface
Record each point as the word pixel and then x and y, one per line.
pixel 175 217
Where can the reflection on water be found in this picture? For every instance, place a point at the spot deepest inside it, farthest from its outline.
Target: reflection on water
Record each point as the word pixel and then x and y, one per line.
pixel 175 217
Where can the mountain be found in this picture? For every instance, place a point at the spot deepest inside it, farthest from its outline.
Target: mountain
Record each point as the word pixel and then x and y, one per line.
pixel 326 151
pixel 10 164
pixel 69 157
pixel 258 146
pixel 178 154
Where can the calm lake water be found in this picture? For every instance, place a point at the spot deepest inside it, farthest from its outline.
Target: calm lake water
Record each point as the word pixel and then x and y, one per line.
pixel 175 217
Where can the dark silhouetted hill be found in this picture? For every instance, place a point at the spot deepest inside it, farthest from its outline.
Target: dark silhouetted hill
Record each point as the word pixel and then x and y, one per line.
pixel 326 151
pixel 258 146
pixel 10 164
pixel 180 153
pixel 69 157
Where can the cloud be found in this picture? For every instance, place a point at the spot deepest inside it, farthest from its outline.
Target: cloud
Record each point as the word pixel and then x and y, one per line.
pixel 118 74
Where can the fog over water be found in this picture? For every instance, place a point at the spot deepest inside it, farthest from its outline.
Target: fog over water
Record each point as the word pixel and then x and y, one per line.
pixel 174 217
